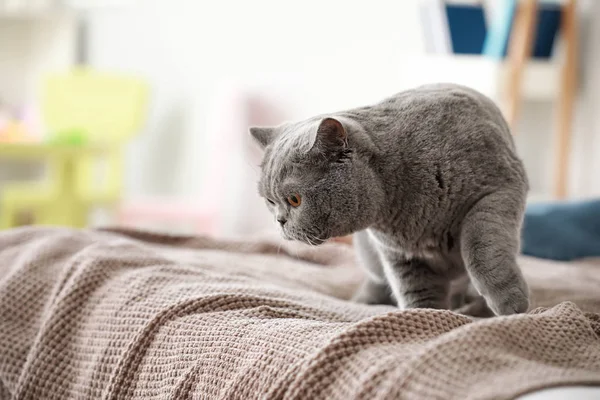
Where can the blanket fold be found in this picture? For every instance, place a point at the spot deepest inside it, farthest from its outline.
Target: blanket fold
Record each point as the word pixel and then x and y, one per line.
pixel 130 315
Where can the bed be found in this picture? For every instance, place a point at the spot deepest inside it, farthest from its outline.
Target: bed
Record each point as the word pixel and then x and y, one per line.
pixel 117 314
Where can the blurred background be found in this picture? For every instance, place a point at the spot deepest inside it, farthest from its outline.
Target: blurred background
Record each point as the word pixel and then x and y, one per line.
pixel 135 113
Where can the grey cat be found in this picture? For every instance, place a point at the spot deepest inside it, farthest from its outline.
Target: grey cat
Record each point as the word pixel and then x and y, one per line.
pixel 428 181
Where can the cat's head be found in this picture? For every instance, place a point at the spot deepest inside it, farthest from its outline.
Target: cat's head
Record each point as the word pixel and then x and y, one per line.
pixel 311 180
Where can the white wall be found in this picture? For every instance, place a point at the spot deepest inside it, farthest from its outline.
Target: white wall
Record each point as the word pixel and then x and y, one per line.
pixel 309 57
pixel 312 55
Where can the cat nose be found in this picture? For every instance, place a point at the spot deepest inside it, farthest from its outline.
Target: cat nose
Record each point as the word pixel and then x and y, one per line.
pixel 281 220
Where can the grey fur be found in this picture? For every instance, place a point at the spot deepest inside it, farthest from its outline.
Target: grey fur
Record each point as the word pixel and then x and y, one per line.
pixel 429 180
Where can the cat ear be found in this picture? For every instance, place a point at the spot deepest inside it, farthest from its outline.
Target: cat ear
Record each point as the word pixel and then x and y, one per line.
pixel 331 135
pixel 263 135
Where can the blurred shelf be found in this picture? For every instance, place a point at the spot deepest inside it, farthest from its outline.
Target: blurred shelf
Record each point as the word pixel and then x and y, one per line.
pixel 489 76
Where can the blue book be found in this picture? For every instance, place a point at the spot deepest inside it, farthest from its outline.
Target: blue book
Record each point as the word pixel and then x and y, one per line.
pixel 548 23
pixel 496 41
pixel 467 28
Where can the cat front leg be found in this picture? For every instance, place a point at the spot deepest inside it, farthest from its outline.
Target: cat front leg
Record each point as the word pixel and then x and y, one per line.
pixel 414 283
pixel 374 289
pixel 489 247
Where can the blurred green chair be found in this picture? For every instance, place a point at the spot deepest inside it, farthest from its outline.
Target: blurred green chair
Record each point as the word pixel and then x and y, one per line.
pixel 91 115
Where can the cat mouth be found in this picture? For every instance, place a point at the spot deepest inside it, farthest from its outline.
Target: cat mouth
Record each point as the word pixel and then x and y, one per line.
pixel 314 241
pixel 307 239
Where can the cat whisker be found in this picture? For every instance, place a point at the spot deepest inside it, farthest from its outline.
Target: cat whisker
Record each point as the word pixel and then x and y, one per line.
pixel 254 168
pixel 307 239
pixel 314 241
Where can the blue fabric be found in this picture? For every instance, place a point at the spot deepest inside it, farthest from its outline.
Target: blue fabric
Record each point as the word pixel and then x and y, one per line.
pixel 467 28
pixel 562 231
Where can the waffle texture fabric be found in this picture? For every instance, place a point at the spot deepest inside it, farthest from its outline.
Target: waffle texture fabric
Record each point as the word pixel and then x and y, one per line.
pixel 131 315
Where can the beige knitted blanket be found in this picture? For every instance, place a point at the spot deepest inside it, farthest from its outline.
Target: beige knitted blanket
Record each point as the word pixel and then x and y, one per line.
pixel 92 314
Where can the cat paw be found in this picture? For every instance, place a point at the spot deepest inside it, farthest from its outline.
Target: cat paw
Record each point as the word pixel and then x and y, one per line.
pixel 512 301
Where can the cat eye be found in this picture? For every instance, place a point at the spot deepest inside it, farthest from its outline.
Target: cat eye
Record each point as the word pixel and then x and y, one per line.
pixel 271 202
pixel 294 200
